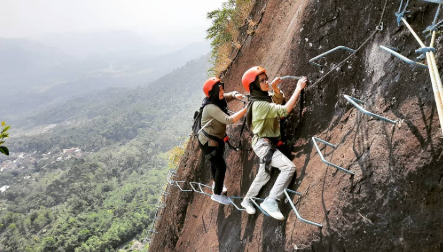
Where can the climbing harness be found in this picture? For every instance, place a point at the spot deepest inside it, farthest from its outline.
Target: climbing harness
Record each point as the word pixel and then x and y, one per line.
pixel 226 138
pixel 267 159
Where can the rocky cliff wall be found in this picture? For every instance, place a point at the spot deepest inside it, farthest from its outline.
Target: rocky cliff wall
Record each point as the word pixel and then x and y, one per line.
pixel 394 200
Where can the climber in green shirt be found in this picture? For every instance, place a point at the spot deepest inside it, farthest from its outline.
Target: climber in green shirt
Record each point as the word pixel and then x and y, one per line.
pixel 263 118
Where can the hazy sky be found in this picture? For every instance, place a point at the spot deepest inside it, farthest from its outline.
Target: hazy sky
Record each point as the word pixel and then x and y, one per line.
pixel 160 19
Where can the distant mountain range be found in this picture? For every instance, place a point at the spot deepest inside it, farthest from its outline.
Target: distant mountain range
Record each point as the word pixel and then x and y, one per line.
pixel 41 72
pixel 86 172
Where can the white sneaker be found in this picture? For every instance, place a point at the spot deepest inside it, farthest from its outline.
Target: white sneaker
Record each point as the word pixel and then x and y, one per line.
pixel 271 207
pixel 224 190
pixel 246 203
pixel 222 199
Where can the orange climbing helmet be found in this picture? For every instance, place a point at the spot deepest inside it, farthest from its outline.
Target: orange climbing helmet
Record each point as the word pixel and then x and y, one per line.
pixel 209 84
pixel 250 75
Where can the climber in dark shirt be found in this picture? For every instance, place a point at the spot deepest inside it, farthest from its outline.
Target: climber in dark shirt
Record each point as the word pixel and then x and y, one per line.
pixel 215 117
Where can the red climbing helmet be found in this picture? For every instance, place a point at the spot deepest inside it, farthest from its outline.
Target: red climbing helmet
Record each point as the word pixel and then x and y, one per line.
pixel 250 75
pixel 209 84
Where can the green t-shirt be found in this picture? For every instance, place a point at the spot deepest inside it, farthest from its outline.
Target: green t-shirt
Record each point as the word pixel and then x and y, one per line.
pixel 266 117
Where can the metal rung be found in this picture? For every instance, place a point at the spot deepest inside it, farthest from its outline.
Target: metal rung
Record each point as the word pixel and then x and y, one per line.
pixel 398 55
pixel 433 27
pixel 433 1
pixel 193 188
pixel 232 202
pixel 354 102
pixel 169 177
pixel 328 52
pixel 290 77
pixel 201 189
pixel 295 209
pixel 323 159
pixel 400 14
pixel 179 187
pixel 255 203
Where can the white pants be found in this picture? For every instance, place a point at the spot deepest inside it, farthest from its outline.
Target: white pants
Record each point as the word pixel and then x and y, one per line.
pixel 280 161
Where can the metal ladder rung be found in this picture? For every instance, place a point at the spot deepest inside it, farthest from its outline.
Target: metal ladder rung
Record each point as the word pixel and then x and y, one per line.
pixel 255 203
pixel 232 202
pixel 201 189
pixel 433 1
pixel 323 159
pixel 289 77
pixel 295 209
pixel 354 102
pixel 179 187
pixel 328 52
pixel 403 58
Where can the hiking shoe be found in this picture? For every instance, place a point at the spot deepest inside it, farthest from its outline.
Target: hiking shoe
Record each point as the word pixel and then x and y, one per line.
pixel 271 207
pixel 222 199
pixel 246 203
pixel 224 190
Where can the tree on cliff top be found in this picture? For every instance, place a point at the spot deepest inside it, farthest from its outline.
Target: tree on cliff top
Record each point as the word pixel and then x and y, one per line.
pixel 224 31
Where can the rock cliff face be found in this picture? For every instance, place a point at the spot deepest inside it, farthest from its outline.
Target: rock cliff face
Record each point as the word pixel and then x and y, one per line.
pixel 394 202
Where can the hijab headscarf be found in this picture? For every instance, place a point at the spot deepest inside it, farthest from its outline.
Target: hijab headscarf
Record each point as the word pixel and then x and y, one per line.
pixel 214 98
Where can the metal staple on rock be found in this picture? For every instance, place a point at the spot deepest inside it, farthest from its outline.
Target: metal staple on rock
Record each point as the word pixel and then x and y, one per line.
pixel 328 52
pixel 403 58
pixel 355 102
pixel 314 139
pixel 433 1
pixel 378 28
pixel 399 14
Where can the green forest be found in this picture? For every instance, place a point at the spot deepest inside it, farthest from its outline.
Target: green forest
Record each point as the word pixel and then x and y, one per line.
pixel 106 197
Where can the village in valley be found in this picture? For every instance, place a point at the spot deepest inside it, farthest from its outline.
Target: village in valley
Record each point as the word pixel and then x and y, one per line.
pixel 27 163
